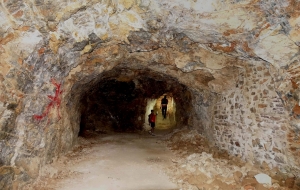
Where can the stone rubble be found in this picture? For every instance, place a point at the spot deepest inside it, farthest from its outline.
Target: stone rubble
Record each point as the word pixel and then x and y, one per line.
pixel 198 165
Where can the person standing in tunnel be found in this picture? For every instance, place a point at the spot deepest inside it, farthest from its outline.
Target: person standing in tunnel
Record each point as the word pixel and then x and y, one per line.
pixel 164 106
pixel 151 120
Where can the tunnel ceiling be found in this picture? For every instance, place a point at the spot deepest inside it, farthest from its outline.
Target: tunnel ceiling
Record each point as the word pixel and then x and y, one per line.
pixel 141 82
pixel 137 82
pixel 190 36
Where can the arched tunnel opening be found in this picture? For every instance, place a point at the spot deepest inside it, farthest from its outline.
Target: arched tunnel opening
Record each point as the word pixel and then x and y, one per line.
pixel 121 100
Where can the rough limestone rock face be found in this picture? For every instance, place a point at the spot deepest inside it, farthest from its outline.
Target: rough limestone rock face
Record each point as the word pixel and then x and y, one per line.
pixel 235 63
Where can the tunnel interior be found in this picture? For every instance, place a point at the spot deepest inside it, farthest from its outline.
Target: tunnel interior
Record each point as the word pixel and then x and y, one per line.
pixel 68 67
pixel 121 99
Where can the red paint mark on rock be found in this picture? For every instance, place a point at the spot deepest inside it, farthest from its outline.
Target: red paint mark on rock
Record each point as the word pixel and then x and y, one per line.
pixel 55 101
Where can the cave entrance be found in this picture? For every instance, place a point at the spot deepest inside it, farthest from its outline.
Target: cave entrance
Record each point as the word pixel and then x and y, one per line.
pixel 121 100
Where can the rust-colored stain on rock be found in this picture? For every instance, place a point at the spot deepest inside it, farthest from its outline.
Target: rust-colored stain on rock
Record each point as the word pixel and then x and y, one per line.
pixel 293 149
pixel 296 109
pixel 246 47
pixel 41 51
pixel 20 61
pixel 24 28
pixel 293 8
pixel 262 105
pixel 19 14
pixel 232 31
pixel 294 84
pixel 7 39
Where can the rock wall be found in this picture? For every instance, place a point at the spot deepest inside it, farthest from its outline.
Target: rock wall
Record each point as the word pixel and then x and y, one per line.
pixel 251 120
pixel 203 110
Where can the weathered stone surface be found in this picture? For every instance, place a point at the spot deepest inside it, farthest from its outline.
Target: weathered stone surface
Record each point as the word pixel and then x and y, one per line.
pixel 6 177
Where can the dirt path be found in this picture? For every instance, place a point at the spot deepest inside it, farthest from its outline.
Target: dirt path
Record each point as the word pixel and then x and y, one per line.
pixel 123 161
pixel 143 162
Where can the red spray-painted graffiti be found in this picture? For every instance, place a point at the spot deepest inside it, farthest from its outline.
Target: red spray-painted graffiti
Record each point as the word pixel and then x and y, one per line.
pixel 54 102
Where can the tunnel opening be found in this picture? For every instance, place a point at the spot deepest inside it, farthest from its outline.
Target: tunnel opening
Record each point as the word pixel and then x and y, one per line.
pixel 121 100
pixel 163 124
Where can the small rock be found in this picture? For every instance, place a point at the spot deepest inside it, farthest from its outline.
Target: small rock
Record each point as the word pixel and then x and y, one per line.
pixel 263 179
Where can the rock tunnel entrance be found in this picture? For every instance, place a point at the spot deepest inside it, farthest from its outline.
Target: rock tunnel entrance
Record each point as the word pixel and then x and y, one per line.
pixel 122 98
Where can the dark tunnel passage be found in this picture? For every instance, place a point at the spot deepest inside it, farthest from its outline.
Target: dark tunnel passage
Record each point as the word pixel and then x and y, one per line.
pixel 117 101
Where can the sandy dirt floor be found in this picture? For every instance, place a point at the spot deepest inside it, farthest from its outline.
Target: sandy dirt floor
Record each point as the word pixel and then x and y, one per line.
pixel 181 160
pixel 108 162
